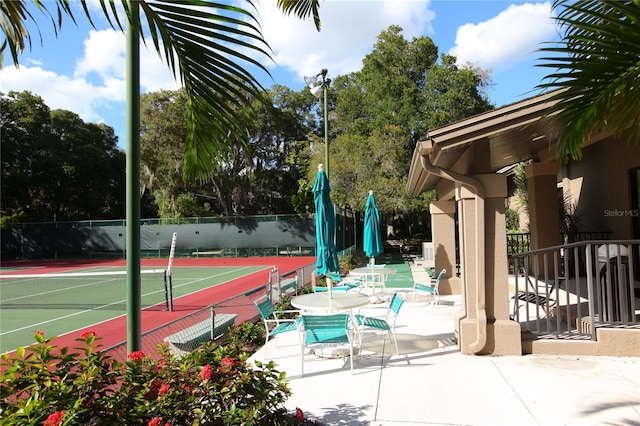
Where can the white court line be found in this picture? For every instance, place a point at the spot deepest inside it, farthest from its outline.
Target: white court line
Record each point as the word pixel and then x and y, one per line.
pixel 31 326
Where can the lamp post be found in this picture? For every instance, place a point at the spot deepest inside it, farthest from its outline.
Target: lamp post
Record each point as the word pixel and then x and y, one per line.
pixel 318 86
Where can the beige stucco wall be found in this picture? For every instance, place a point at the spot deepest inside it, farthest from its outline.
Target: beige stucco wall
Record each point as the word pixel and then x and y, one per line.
pixel 599 184
pixel 610 342
pixel 544 223
pixel 444 239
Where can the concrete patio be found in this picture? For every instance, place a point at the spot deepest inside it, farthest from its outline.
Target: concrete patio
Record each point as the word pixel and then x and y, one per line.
pixel 430 382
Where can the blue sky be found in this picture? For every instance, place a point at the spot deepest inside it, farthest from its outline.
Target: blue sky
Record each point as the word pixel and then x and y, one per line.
pixel 83 69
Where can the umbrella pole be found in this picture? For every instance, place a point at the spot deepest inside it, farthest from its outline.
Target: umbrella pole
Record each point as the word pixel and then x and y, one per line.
pixel 329 285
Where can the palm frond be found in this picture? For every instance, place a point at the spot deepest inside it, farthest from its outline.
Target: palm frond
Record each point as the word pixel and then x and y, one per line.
pixel 597 63
pixel 302 9
pixel 203 43
pixel 13 15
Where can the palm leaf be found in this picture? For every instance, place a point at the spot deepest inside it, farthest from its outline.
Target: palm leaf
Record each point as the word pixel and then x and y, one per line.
pixel 302 9
pixel 204 45
pixel 203 48
pixel 13 14
pixel 597 64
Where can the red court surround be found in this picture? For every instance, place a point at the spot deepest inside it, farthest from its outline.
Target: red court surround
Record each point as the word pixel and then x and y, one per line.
pixel 113 332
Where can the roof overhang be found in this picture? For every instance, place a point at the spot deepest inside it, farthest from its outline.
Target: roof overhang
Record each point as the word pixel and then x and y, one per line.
pixel 488 142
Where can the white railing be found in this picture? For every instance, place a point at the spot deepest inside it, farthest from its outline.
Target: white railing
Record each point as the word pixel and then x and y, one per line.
pixel 568 291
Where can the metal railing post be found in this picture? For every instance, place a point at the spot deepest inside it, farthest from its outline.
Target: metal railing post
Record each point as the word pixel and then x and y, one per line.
pixel 590 292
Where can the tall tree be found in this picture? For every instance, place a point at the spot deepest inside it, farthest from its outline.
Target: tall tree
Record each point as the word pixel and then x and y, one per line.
pixel 596 64
pixel 25 121
pixel 92 178
pixel 202 42
pixel 163 135
pixel 277 134
pixel 379 113
pixel 257 179
pixel 55 166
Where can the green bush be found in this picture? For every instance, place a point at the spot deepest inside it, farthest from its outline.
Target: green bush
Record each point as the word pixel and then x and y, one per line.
pixel 247 334
pixel 351 261
pixel 51 386
pixel 512 219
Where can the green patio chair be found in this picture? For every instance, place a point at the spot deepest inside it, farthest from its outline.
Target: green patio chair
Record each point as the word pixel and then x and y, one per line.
pixel 388 323
pixel 325 332
pixel 274 324
pixel 431 288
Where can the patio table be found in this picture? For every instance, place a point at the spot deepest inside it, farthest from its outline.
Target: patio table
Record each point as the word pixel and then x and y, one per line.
pixel 373 277
pixel 321 302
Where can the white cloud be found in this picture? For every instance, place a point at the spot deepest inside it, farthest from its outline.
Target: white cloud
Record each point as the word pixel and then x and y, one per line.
pixel 96 91
pixel 58 91
pixel 105 55
pixel 98 80
pixel 349 31
pixel 510 37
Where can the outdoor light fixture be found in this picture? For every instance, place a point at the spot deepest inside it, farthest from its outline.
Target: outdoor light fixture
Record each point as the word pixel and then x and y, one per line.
pixel 318 86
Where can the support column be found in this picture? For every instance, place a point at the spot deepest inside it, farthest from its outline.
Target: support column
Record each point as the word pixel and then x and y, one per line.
pixel 544 216
pixel 443 228
pixel 503 335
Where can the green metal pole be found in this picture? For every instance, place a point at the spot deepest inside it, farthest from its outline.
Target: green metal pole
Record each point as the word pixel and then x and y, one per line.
pixel 326 132
pixel 134 329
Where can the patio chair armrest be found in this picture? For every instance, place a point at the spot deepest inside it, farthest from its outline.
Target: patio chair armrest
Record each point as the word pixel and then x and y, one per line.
pixel 367 321
pixel 361 319
pixel 280 320
pixel 424 287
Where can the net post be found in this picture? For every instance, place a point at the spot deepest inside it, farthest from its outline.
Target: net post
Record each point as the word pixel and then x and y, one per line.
pixel 168 273
pixel 168 292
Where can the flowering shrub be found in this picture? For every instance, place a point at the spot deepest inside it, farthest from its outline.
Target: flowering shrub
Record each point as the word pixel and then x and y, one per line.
pixel 46 385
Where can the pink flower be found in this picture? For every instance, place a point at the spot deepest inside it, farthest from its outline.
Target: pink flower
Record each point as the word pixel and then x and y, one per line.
pixel 163 389
pixel 54 419
pixel 205 374
pixel 299 414
pixel 228 362
pixel 136 356
pixel 155 421
pixel 88 334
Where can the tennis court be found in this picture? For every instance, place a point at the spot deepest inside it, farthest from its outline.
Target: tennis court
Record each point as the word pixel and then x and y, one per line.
pixel 59 304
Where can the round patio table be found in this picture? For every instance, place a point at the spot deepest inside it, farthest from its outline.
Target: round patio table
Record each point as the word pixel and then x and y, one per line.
pixel 373 277
pixel 321 302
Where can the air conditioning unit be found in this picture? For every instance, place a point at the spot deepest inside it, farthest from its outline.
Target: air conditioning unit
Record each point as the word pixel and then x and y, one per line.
pixel 428 255
pixel 428 259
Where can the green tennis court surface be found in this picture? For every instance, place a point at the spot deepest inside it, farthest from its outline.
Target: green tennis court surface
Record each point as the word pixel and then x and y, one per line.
pixel 403 278
pixel 58 306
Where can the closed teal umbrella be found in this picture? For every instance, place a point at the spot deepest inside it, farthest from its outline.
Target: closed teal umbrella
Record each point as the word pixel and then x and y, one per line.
pixel 372 235
pixel 327 260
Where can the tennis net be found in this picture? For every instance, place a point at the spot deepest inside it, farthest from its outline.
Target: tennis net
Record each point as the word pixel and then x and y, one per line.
pixel 82 290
